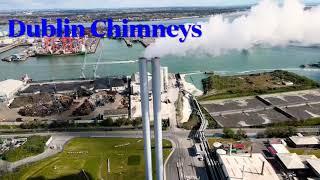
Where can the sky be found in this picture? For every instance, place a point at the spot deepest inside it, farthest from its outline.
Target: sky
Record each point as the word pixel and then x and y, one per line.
pixel 88 4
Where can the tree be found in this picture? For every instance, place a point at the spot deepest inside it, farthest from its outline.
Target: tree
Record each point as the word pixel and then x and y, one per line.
pixel 107 122
pixel 137 122
pixel 241 134
pixel 280 132
pixel 121 121
pixel 228 133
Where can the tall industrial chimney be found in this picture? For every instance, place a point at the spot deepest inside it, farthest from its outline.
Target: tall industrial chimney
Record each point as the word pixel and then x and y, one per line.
pixel 156 91
pixel 144 92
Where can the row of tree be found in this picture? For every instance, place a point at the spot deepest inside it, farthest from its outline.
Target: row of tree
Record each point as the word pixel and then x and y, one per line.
pixel 270 132
pixel 238 135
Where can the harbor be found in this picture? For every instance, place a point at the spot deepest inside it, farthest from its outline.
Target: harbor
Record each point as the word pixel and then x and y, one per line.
pixel 52 47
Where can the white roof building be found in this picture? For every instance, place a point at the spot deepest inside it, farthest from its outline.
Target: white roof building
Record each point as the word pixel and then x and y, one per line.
pixel 304 140
pixel 293 161
pixel 242 166
pixel 280 148
pixel 315 165
pixel 8 88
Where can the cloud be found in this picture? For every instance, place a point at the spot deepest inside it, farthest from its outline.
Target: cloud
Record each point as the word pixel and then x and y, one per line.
pixel 267 23
pixel 70 4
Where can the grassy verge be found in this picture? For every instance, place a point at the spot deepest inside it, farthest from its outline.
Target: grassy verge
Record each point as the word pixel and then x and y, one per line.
pixel 212 124
pixel 192 123
pixel 299 151
pixel 179 107
pixel 223 87
pixel 247 143
pixel 303 123
pixel 34 145
pixel 91 155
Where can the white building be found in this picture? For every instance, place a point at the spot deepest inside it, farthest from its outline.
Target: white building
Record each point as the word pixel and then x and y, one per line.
pixel 279 148
pixel 164 78
pixel 304 141
pixel 314 164
pixel 246 167
pixel 9 88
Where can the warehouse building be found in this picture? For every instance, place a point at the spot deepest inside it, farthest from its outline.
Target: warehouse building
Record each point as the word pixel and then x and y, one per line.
pixel 314 164
pixel 304 141
pixel 9 88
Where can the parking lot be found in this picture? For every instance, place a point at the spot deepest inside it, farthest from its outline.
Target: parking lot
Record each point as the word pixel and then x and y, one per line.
pixel 245 119
pixel 233 105
pixel 265 109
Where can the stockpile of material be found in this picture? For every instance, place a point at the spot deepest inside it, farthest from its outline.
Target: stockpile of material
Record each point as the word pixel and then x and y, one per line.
pixel 22 101
pixel 84 109
pixel 103 98
pixel 56 104
pixel 83 92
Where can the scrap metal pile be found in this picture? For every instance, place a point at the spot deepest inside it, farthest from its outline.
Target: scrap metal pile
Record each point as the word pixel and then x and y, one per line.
pixel 84 109
pixel 46 105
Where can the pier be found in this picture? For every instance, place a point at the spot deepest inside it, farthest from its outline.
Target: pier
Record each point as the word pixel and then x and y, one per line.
pixel 8 47
pixel 128 42
pixel 144 41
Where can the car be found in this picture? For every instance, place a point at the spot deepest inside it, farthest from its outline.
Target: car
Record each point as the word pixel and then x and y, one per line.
pixel 200 158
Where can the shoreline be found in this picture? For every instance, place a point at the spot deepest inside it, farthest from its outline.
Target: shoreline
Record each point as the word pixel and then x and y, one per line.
pixel 191 87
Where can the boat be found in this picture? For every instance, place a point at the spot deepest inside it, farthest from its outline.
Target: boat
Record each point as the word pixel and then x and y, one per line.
pixel 209 72
pixel 313 65
pixel 15 57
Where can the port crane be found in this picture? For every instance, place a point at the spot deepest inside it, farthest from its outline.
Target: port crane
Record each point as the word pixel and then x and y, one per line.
pixel 83 76
pixel 95 69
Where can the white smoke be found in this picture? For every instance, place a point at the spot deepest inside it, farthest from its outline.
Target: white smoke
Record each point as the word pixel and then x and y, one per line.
pixel 267 23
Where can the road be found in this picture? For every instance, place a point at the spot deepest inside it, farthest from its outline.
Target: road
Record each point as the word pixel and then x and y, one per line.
pixel 184 163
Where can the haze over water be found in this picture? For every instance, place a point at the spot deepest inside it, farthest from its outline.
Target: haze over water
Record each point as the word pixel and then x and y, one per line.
pixel 114 52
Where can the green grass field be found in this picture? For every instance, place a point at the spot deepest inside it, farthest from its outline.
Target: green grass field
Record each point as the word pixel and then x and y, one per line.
pixel 224 87
pixel 34 145
pixel 91 155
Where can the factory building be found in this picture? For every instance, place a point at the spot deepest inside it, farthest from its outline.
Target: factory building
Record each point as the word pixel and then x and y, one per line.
pixel 164 80
pixel 246 166
pixel 9 88
pixel 301 165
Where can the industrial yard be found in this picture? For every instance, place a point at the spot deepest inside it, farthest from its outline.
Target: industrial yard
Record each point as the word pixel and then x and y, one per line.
pixel 293 157
pixel 66 100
